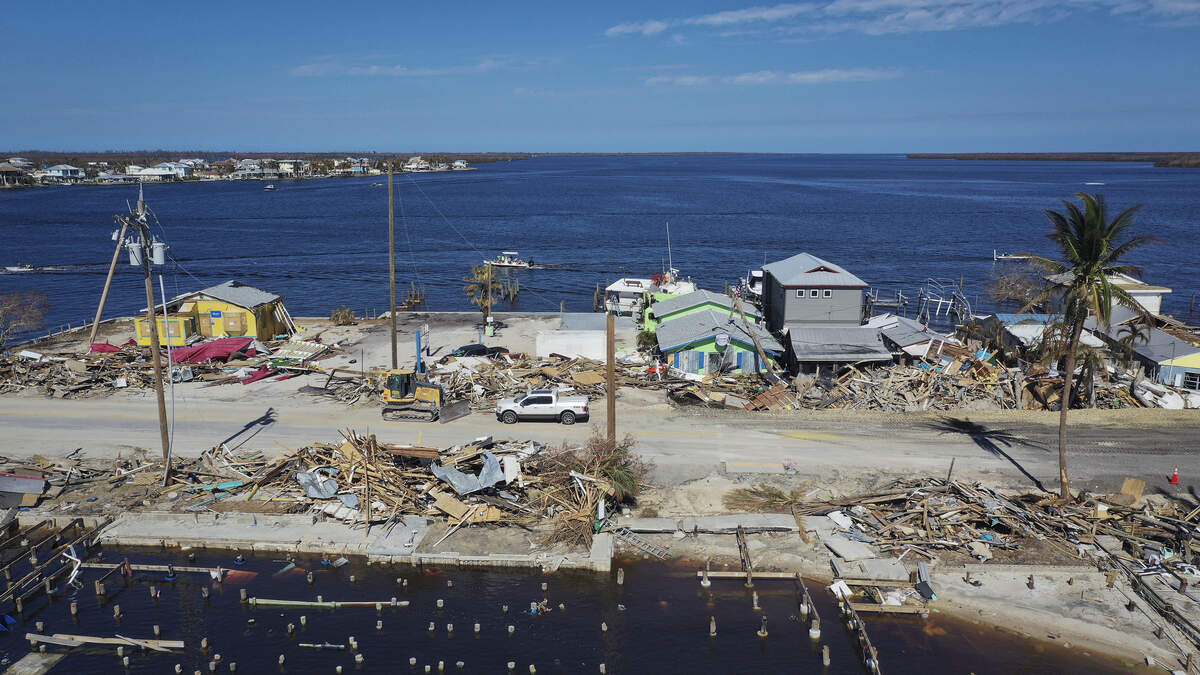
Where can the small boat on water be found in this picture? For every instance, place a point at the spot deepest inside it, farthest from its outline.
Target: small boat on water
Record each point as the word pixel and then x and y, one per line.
pixel 269 186
pixel 19 267
pixel 510 259
pixel 1007 256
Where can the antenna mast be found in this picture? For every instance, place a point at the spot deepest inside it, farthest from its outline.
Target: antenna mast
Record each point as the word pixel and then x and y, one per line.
pixel 670 263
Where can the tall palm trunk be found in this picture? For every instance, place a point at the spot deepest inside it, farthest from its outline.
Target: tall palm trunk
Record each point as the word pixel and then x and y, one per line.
pixel 1068 376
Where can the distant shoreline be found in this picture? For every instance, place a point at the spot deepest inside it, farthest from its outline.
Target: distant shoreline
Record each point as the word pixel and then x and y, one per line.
pixel 1161 159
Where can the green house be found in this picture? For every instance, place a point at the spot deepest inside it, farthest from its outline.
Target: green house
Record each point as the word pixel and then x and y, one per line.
pixel 689 303
pixel 706 341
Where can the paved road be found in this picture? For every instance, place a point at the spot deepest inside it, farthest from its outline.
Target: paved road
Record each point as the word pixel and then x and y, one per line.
pixel 683 444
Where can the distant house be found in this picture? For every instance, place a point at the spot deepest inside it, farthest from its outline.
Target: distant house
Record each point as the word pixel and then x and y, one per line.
pixel 20 162
pixel 63 172
pixel 804 290
pixel 707 341
pixel 459 165
pixel 133 169
pixel 291 168
pixel 417 163
pixel 11 175
pixel 690 303
pixel 231 309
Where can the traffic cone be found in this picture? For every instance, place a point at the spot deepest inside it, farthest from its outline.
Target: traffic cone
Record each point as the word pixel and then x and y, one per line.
pixel 1175 476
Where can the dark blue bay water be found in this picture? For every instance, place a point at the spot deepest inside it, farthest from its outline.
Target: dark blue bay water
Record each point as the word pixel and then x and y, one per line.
pixel 894 222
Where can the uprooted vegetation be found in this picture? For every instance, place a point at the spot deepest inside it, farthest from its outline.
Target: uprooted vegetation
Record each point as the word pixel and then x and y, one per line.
pixel 576 479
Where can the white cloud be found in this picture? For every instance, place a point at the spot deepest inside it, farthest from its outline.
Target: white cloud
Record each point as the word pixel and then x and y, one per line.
pixel 643 27
pixel 776 77
pixel 878 17
pixel 485 65
pixel 732 16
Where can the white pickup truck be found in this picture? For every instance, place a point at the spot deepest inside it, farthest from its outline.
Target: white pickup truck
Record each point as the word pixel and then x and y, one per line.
pixel 543 404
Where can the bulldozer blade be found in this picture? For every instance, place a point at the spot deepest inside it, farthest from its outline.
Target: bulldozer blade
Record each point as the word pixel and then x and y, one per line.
pixel 454 411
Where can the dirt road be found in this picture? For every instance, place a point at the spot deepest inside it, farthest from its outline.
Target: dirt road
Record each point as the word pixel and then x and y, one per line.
pixel 1007 448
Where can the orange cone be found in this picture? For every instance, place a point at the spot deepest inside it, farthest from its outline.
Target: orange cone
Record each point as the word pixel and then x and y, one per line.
pixel 1175 476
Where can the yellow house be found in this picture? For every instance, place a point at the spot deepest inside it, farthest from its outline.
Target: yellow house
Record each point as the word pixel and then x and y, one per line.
pixel 231 309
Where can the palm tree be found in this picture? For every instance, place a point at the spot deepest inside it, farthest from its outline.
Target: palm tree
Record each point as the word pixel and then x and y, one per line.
pixel 1129 336
pixel 484 289
pixel 1089 245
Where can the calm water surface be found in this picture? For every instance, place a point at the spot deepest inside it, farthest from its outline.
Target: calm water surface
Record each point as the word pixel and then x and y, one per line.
pixel 663 627
pixel 894 222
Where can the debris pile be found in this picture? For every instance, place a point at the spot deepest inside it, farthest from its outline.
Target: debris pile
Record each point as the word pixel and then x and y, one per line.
pixel 1151 541
pixel 109 368
pixel 485 481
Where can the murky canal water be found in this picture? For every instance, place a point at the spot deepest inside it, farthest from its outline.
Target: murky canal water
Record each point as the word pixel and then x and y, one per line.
pixel 658 622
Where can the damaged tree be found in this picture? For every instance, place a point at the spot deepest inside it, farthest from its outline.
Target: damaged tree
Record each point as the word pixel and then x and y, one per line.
pixel 1089 244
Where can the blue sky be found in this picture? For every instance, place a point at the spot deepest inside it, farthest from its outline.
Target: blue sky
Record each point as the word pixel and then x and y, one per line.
pixel 819 76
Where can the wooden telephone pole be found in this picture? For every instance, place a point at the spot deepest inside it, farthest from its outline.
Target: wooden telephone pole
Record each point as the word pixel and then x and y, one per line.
pixel 156 357
pixel 112 267
pixel 392 265
pixel 610 383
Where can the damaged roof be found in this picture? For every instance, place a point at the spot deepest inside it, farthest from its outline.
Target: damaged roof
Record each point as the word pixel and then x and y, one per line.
pixel 806 269
pixel 682 331
pixel 837 343
pixel 237 293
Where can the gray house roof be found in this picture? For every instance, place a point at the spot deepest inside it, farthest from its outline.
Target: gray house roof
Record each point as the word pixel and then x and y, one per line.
pixel 838 343
pixel 805 269
pixel 695 299
pixel 685 330
pixel 1163 346
pixel 240 294
pixel 907 332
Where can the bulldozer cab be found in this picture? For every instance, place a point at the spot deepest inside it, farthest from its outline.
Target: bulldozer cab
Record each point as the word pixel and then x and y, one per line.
pixel 405 386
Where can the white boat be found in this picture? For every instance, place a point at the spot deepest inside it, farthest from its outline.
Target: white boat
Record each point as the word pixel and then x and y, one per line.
pixel 752 285
pixel 1007 256
pixel 269 186
pixel 510 259
pixel 628 295
pixel 19 268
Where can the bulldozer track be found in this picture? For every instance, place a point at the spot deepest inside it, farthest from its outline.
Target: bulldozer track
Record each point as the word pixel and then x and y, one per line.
pixel 409 416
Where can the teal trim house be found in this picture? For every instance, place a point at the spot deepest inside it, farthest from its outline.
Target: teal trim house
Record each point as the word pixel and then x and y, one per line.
pixel 689 303
pixel 705 341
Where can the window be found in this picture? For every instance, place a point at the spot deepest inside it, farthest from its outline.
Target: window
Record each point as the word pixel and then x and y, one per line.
pixel 827 293
pixel 536 400
pixel 800 293
pixel 812 293
pixel 1191 380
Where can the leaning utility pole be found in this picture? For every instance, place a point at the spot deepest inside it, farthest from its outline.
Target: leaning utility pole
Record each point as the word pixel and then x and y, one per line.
pixel 392 265
pixel 611 380
pixel 112 267
pixel 144 234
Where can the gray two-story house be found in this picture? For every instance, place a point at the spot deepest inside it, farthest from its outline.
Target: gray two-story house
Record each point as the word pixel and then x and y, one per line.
pixel 816 307
pixel 804 289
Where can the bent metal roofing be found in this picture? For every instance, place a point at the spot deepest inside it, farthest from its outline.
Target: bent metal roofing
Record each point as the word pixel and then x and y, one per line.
pixel 838 344
pixel 682 331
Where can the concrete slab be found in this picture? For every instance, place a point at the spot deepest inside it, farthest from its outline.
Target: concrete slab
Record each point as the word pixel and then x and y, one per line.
pixel 750 522
pixel 872 569
pixel 35 663
pixel 848 550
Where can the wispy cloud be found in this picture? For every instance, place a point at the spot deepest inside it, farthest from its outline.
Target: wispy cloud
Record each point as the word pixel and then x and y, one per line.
pixel 486 64
pixel 643 27
pixel 776 77
pixel 878 17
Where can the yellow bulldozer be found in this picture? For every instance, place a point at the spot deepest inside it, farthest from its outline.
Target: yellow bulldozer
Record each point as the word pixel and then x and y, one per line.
pixel 408 396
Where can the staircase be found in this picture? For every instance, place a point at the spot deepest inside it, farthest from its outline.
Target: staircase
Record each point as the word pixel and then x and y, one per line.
pixel 629 537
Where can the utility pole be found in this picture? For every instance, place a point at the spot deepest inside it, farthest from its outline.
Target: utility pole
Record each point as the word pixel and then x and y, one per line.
pixel 156 357
pixel 112 267
pixel 392 263
pixel 488 313
pixel 611 380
